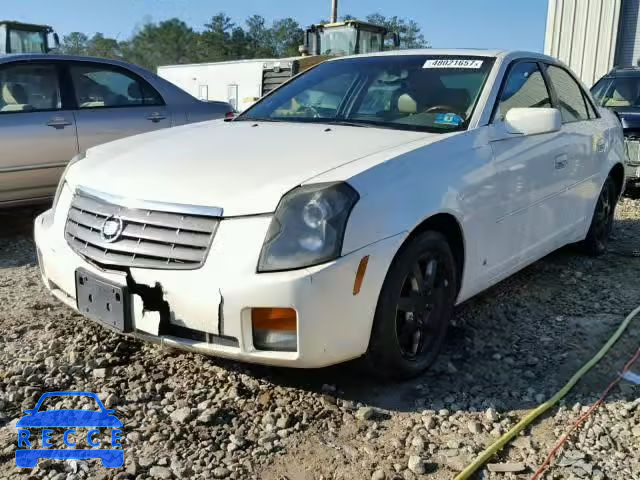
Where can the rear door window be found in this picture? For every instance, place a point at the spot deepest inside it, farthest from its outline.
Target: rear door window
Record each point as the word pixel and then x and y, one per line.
pixel 29 87
pixel 100 86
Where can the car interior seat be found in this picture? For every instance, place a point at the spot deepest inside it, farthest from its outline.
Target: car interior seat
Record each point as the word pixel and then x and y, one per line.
pixel 14 98
pixel 407 105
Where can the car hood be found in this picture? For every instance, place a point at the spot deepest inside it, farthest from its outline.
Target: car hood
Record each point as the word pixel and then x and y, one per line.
pixel 629 116
pixel 242 167
pixel 69 418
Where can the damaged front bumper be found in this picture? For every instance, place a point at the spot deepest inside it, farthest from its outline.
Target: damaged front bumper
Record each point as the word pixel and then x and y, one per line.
pixel 208 310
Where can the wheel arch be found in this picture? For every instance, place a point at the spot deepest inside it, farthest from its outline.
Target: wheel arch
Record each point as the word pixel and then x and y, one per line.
pixel 450 227
pixel 617 174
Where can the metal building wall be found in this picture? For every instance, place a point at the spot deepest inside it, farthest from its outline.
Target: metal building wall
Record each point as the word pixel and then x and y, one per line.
pixel 583 34
pixel 628 51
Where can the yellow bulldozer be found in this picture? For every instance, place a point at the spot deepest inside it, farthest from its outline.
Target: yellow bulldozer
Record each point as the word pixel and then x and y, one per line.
pixel 18 37
pixel 351 37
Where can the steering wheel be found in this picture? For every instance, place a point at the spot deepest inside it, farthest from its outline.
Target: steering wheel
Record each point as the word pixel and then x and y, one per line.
pixel 442 109
pixel 314 112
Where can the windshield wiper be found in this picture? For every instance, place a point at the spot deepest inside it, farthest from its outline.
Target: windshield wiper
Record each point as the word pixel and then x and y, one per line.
pixel 258 119
pixel 349 123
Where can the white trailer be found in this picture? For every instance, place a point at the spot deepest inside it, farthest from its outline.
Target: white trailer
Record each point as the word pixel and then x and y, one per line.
pixel 594 36
pixel 238 82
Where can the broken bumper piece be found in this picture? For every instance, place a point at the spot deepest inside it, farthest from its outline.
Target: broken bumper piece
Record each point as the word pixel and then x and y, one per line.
pixel 209 309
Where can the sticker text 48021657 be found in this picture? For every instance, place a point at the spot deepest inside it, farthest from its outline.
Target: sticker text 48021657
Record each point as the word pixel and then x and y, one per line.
pixel 453 63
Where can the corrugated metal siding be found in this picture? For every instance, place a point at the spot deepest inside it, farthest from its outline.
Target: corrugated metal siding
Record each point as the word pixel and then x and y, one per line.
pixel 583 34
pixel 628 52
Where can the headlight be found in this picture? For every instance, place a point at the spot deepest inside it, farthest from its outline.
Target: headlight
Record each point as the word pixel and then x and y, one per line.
pixel 308 227
pixel 75 159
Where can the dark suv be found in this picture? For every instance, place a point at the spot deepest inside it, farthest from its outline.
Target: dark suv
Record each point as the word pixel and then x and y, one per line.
pixel 619 91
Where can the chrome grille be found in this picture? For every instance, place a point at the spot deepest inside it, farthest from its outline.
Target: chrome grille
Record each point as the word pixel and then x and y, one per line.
pixel 154 238
pixel 632 147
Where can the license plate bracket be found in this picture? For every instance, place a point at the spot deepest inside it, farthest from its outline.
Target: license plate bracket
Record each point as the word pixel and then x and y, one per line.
pixel 103 301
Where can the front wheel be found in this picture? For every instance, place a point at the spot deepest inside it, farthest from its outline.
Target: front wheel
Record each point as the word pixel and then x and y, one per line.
pixel 414 308
pixel 597 238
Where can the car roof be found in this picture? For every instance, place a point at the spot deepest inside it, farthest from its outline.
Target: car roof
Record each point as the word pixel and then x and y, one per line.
pixel 468 52
pixel 623 72
pixel 16 57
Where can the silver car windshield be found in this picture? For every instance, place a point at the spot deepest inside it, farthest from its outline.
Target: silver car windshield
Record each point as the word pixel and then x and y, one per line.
pixel 407 92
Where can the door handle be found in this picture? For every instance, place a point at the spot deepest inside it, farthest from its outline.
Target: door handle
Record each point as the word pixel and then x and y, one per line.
pixel 58 122
pixel 562 161
pixel 156 117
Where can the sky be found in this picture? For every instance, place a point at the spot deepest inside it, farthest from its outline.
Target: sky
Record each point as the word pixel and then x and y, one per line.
pixel 503 24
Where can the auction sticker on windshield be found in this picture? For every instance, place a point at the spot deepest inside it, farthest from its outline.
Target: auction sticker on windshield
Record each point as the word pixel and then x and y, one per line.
pixel 453 63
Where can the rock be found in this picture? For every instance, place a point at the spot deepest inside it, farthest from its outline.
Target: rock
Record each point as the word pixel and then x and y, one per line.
pixel 111 400
pixel 365 413
pixel 100 372
pixel 206 417
pixel 475 427
pixel 163 473
pixel 491 415
pixel 264 398
pixel 459 462
pixel 429 423
pixel 416 465
pixel 453 444
pixel 220 472
pixel 237 440
pixel 418 443
pixel 181 415
pixel 509 467
pixel 283 421
pixel 378 475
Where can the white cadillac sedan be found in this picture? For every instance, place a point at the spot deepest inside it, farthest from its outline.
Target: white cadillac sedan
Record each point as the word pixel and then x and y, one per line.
pixel 344 215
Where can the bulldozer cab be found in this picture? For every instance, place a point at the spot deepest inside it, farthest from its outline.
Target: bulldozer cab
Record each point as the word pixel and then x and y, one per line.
pixel 17 37
pixel 351 37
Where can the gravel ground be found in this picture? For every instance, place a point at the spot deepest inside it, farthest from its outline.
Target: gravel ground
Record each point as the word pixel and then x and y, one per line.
pixel 189 416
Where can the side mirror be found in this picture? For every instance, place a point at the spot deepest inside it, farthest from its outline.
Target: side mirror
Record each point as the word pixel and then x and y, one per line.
pixel 29 411
pixel 532 121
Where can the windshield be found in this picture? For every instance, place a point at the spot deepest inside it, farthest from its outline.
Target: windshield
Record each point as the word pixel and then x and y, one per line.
pixel 370 42
pixel 338 41
pixel 407 92
pixel 24 41
pixel 618 92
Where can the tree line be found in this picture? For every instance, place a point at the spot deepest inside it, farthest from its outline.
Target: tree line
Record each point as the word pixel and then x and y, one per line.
pixel 172 41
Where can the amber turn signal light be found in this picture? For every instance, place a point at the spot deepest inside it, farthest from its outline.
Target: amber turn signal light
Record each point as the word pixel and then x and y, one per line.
pixel 362 269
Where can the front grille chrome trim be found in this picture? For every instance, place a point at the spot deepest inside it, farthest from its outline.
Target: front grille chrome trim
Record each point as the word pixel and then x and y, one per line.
pixel 150 205
pixel 165 239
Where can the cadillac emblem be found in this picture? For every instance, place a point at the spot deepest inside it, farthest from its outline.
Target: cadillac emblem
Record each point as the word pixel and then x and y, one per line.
pixel 112 229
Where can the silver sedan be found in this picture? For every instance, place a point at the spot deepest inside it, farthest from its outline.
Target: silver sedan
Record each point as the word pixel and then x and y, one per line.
pixel 53 107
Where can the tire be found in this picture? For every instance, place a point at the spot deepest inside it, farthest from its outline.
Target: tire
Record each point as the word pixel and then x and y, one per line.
pixel 597 239
pixel 414 309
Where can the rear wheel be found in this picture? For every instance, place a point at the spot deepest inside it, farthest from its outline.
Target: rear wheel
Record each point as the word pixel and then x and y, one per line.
pixel 597 239
pixel 414 308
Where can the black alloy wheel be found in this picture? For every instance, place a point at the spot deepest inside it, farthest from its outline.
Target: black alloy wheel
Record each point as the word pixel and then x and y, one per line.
pixel 414 308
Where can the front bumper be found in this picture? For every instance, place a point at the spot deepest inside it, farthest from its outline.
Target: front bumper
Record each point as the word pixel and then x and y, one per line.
pixel 333 324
